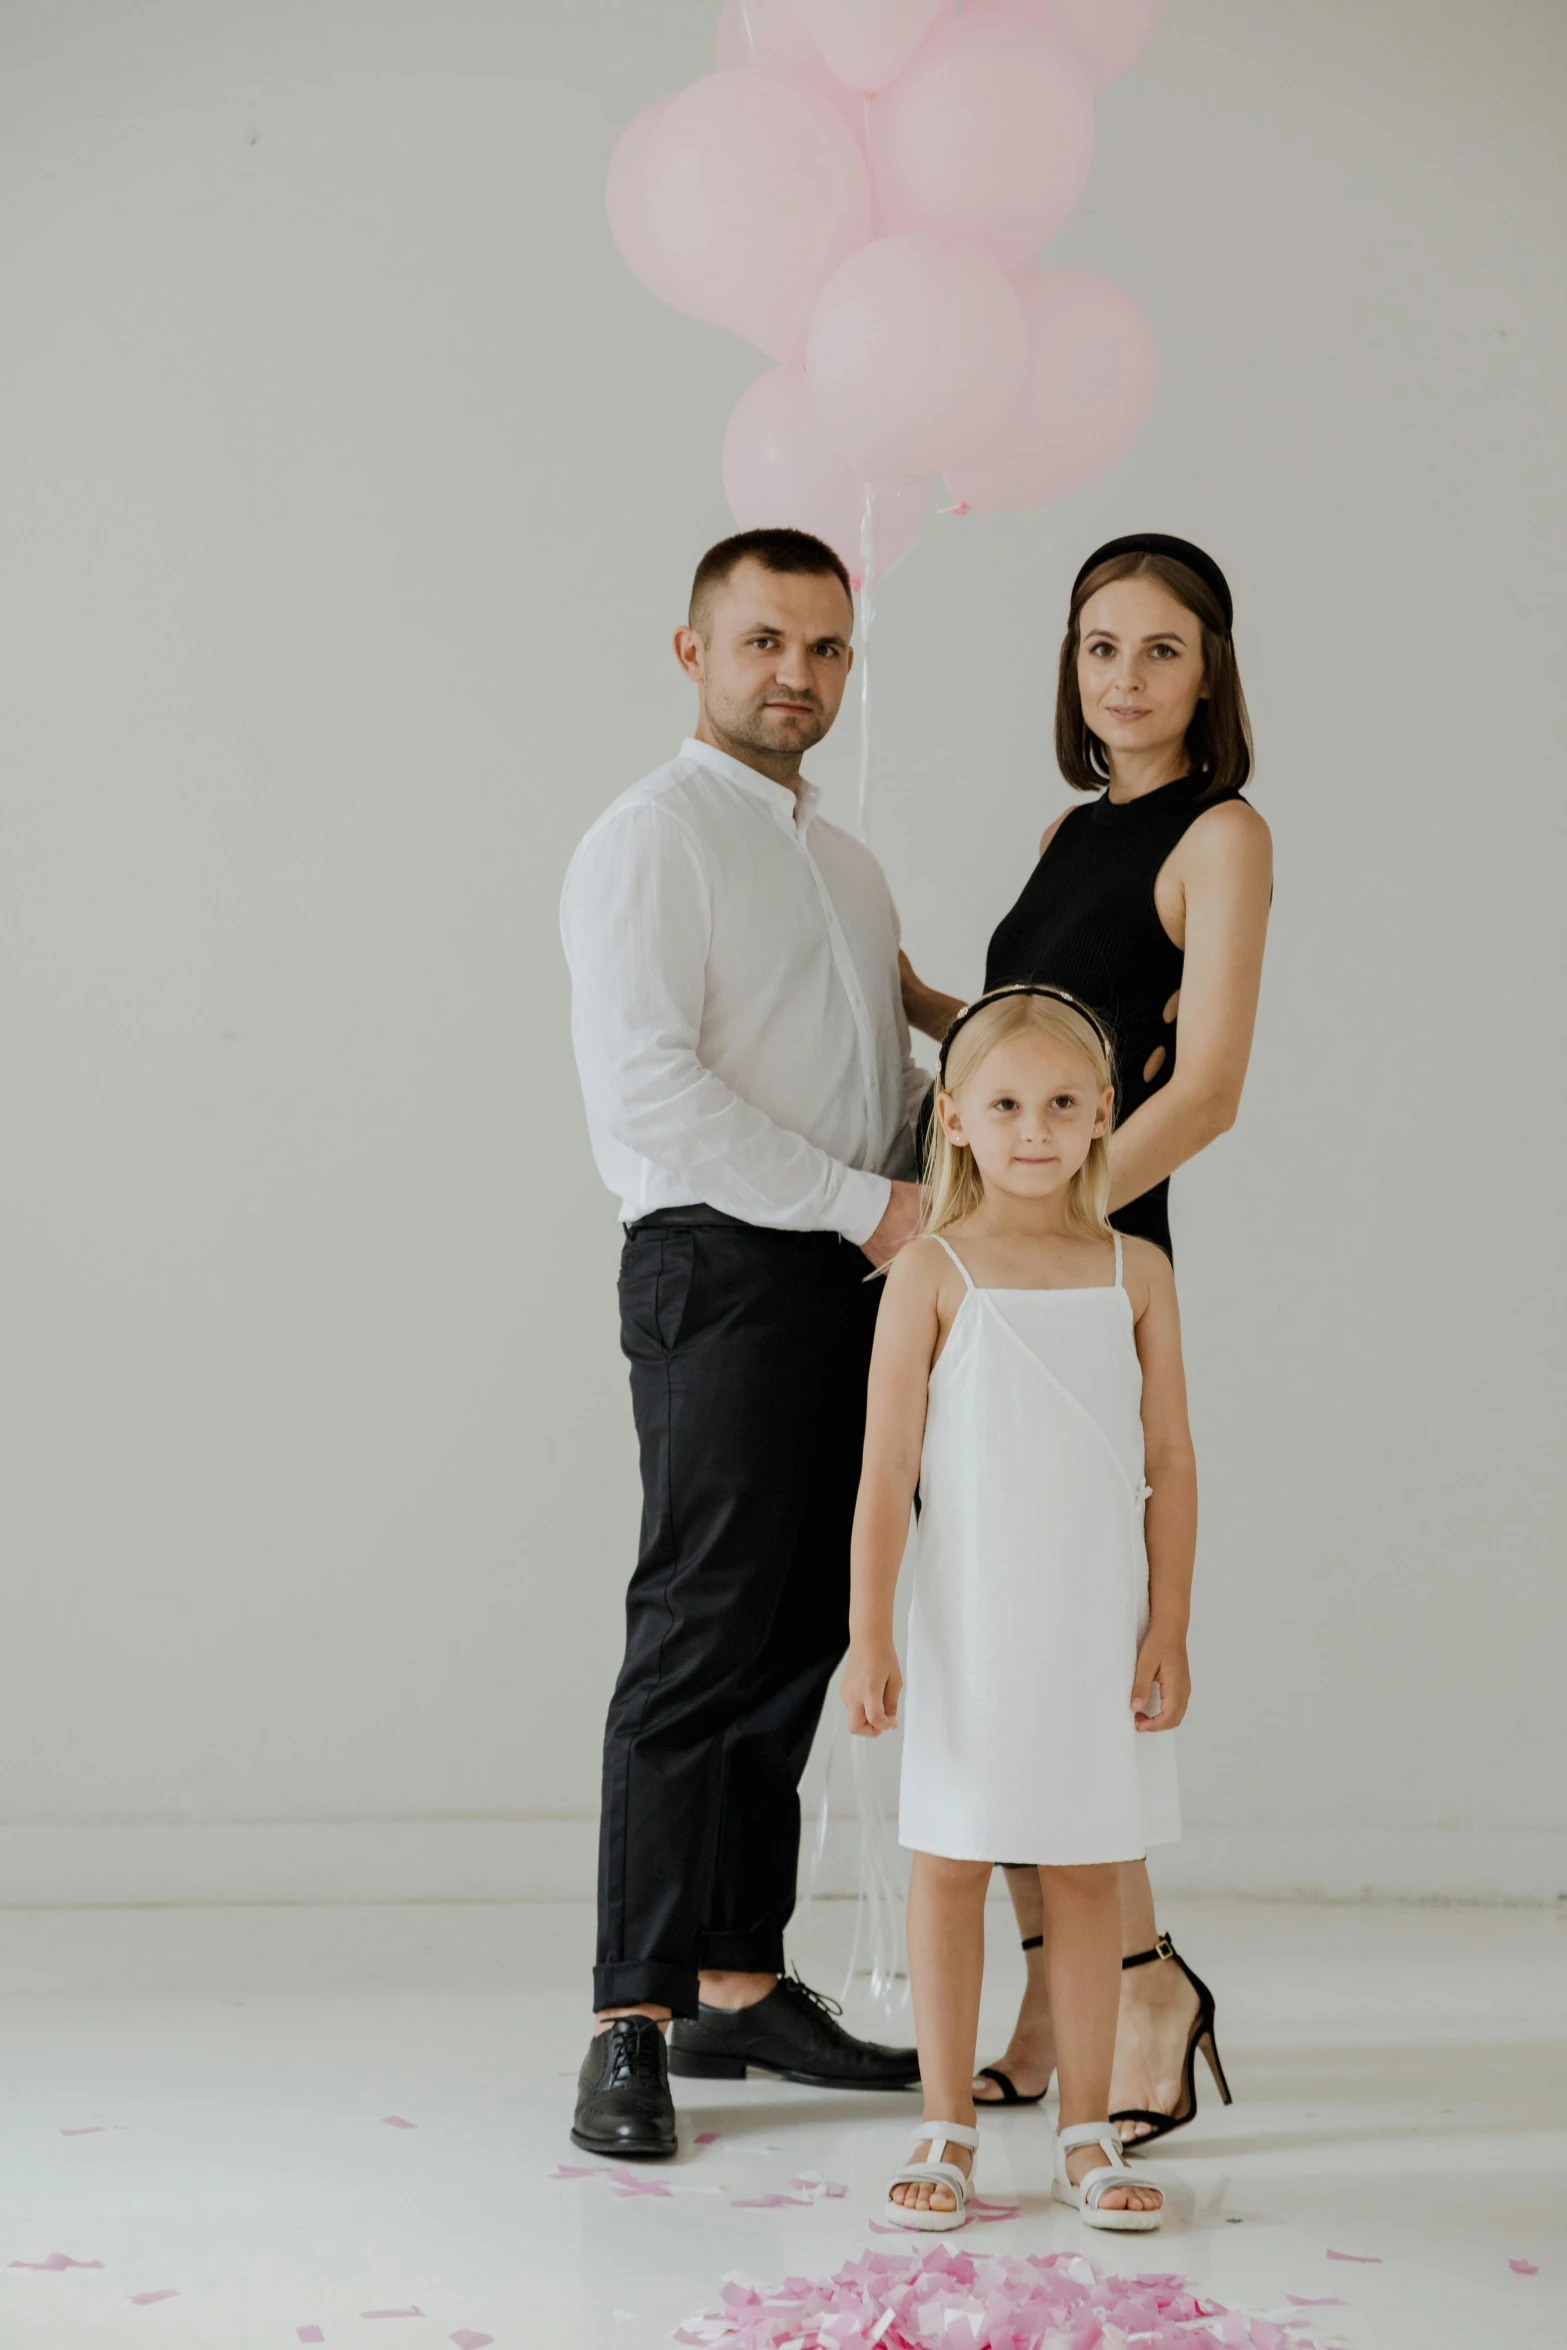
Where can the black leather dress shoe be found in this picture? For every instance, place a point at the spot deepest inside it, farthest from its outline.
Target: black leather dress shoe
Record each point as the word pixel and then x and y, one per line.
pixel 793 2033
pixel 623 2101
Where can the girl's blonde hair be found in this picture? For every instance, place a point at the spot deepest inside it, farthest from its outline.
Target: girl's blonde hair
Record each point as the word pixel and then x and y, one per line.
pixel 951 1184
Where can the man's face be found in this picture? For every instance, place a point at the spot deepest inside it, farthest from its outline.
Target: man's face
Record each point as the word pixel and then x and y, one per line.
pixel 771 657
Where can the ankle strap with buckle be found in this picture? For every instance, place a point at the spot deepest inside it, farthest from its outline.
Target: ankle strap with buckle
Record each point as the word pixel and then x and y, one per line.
pixel 1163 1948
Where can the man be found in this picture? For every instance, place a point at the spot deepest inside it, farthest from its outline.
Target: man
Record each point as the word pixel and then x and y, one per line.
pixel 745 1065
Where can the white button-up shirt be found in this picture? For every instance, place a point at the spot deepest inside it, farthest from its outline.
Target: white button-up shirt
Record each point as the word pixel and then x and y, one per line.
pixel 735 1006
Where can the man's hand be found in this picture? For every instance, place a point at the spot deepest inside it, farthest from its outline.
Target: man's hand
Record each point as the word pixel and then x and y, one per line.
pixel 870 1685
pixel 900 1223
pixel 1161 1659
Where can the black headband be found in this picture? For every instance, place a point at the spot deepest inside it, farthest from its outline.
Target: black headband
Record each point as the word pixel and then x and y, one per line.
pixel 1154 542
pixel 998 995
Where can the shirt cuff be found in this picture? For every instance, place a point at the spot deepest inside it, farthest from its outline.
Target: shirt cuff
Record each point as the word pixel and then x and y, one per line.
pixel 861 1204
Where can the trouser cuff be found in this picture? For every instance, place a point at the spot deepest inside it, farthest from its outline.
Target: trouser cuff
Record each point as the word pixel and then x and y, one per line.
pixel 742 1954
pixel 645 1982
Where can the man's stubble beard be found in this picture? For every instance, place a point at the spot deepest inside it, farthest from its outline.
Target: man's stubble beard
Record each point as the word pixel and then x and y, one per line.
pixel 744 724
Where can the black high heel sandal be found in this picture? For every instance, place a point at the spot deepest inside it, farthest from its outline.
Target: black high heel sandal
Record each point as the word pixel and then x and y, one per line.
pixel 1159 2125
pixel 1010 2093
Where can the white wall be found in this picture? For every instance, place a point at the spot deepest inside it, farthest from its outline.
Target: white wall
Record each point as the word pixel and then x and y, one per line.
pixel 350 490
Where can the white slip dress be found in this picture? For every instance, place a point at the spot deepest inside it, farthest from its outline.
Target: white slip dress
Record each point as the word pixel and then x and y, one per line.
pixel 1031 1590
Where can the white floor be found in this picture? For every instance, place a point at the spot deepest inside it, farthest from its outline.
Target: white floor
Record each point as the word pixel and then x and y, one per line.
pixel 198 2101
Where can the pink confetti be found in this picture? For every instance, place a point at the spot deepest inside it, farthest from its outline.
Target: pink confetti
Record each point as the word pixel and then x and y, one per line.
pixel 309 2334
pixel 57 2260
pixel 395 2121
pixel 391 2313
pixel 626 2182
pixel 1366 2259
pixel 944 2295
pixel 707 2137
pixel 573 2170
pixel 1523 2268
pixel 88 2130
pixel 467 2341
pixel 145 2300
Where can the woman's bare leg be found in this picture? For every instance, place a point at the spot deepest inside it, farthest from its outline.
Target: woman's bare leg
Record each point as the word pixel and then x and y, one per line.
pixel 1030 2055
pixel 1083 1959
pixel 1158 2008
pixel 946 1969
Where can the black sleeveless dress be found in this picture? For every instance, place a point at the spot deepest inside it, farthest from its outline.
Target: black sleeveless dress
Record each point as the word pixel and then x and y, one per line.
pixel 1087 921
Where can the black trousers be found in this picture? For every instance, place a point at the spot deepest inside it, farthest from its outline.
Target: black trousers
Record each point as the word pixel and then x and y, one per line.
pixel 749 1352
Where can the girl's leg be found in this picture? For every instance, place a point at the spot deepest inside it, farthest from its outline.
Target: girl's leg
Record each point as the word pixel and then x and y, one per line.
pixel 1030 2056
pixel 1083 1960
pixel 946 1966
pixel 1157 2011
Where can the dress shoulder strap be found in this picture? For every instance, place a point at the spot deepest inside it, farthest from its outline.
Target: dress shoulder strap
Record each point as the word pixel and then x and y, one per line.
pixel 1119 1283
pixel 968 1279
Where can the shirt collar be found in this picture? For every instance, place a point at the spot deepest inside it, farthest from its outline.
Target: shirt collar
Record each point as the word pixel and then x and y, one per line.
pixel 786 807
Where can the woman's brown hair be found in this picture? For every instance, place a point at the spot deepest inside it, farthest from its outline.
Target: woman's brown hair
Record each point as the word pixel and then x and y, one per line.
pixel 1218 741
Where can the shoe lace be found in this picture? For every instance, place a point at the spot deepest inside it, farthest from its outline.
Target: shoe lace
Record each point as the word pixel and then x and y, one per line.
pixel 801 1992
pixel 631 2053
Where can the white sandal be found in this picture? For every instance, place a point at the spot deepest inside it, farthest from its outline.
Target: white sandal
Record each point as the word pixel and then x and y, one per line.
pixel 936 2173
pixel 1084 2196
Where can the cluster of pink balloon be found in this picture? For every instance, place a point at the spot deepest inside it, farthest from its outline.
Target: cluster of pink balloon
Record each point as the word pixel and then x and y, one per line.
pixel 860 190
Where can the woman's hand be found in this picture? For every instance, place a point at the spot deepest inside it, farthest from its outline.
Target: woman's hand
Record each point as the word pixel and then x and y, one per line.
pixel 870 1687
pixel 1161 1658
pixel 924 1009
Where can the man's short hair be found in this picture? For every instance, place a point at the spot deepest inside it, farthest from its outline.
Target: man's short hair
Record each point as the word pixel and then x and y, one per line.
pixel 775 550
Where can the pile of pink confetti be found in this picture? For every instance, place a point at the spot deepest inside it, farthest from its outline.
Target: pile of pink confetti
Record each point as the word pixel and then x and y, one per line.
pixel 986 2301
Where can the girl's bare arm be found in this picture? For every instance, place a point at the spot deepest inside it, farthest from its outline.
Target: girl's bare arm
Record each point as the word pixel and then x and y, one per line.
pixel 1171 1472
pixel 907 1329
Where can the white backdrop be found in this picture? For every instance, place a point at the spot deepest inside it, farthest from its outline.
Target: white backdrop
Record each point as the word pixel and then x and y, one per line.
pixel 351 488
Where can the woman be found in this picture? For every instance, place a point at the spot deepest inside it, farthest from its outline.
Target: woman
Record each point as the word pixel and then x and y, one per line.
pixel 1150 905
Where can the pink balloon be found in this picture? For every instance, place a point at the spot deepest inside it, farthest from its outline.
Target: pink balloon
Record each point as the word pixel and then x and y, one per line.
pixel 1088 391
pixel 754 192
pixel 867 43
pixel 988 135
pixel 780 467
pixel 624 200
pixel 1104 35
pixel 767 32
pixel 916 355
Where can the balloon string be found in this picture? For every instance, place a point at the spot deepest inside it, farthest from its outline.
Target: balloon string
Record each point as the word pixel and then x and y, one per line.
pixel 745 19
pixel 867 622
pixel 878 1913
pixel 877 1950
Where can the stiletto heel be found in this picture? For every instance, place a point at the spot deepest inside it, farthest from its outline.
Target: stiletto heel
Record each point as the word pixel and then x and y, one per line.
pixel 1211 2052
pixel 1159 2125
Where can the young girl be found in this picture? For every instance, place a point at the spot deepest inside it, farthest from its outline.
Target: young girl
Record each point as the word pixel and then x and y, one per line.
pixel 1027 1371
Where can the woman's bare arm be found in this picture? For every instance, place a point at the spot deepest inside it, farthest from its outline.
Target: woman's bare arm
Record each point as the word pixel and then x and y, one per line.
pixel 926 1008
pixel 1170 1466
pixel 907 1330
pixel 1225 864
